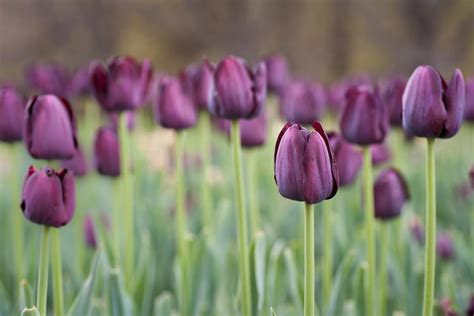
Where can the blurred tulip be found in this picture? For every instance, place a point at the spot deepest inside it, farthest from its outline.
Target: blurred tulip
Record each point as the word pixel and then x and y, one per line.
pixel 198 83
pixel 380 154
pixel 107 152
pixel 336 96
pixel 364 118
pixel 305 169
pixel 470 307
pixel 432 108
pixel 50 128
pixel 122 84
pixel 463 191
pixel 49 79
pixel 444 246
pixel 79 83
pixel 469 107
pixel 174 109
pixel 417 230
pixel 48 196
pixel 78 163
pixel 392 93
pixel 471 176
pixel 12 109
pixel 302 102
pixel 89 232
pixel 447 307
pixel 239 93
pixel 277 73
pixel 390 193
pixel 348 159
pixel 253 132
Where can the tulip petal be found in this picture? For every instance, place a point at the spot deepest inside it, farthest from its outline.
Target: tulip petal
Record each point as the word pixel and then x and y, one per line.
pixel 455 102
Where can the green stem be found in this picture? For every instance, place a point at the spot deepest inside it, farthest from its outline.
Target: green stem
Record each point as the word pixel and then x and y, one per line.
pixel 42 293
pixel 128 216
pixel 369 230
pixel 181 224
pixel 117 222
pixel 327 252
pixel 206 198
pixel 430 235
pixel 383 244
pixel 309 260
pixel 244 264
pixel 57 269
pixel 254 203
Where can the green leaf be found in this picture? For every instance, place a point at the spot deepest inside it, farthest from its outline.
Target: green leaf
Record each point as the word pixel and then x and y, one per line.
pixel 273 264
pixel 26 298
pixel 341 275
pixel 119 302
pixel 163 305
pixel 33 311
pixel 259 262
pixel 100 229
pixel 272 312
pixel 82 304
pixel 293 279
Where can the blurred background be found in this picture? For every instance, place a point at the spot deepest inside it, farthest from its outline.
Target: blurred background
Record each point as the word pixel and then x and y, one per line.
pixel 323 39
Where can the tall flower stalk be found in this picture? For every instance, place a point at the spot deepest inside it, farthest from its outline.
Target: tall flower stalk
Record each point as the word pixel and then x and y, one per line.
pixel 57 269
pixel 309 260
pixel 327 252
pixel 254 203
pixel 42 291
pixel 206 195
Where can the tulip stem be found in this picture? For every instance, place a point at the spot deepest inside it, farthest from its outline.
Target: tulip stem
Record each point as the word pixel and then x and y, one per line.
pixel 128 215
pixel 42 292
pixel 308 260
pixel 244 263
pixel 180 223
pixel 327 252
pixel 384 244
pixel 206 198
pixel 57 269
pixel 369 230
pixel 430 235
pixel 253 192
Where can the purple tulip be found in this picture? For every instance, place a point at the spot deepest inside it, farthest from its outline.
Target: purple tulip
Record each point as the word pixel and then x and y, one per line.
pixel 122 84
pixel 239 93
pixel 390 193
pixel 302 102
pixel 470 306
pixel 305 169
pixel 198 83
pixel 392 93
pixel 107 152
pixel 48 196
pixel 447 308
pixel 12 109
pixel 173 108
pixel 79 83
pixel 253 132
pixel 432 108
pixel 336 95
pixel 50 128
pixel 364 118
pixel 416 229
pixel 444 246
pixel 348 159
pixel 380 154
pixel 49 79
pixel 469 107
pixel 277 73
pixel 471 176
pixel 78 163
pixel 89 232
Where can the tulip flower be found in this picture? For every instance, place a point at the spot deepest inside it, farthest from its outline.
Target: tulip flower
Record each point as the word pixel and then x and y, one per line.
pixel 390 192
pixel 364 118
pixel 348 159
pixel 469 106
pixel 239 92
pixel 253 132
pixel 447 308
pixel 198 84
pixel 50 128
pixel 49 79
pixel 336 96
pixel 12 108
pixel 302 102
pixel 416 229
pixel 77 164
pixel 444 246
pixel 174 109
pixel 380 154
pixel 392 93
pixel 107 152
pixel 89 232
pixel 471 176
pixel 79 82
pixel 122 84
pixel 470 306
pixel 277 73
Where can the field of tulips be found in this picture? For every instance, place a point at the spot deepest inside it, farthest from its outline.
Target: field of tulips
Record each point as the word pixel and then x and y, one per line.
pixel 235 189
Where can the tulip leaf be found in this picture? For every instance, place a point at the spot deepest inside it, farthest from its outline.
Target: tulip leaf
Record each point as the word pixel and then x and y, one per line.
pixel 340 277
pixel 33 311
pixel 272 312
pixel 273 264
pixel 259 247
pixel 26 298
pixel 163 305
pixel 293 279
pixel 120 303
pixel 100 227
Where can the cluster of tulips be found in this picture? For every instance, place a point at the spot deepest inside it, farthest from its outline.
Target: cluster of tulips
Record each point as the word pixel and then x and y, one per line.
pixel 310 165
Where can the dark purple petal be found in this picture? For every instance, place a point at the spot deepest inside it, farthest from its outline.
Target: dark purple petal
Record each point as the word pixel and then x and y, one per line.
pixel 78 163
pixel 445 246
pixel 348 159
pixel 253 132
pixel 390 194
pixel 107 152
pixel 454 102
pixel 380 154
pixel 469 106
pixel 12 108
pixel 277 72
pixel 89 232
pixel 302 102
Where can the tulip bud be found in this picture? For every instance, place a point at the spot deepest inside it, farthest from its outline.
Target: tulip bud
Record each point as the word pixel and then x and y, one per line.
pixel 380 154
pixel 107 152
pixel 198 84
pixel 416 229
pixel 469 107
pixel 348 159
pixel 432 108
pixel 253 132
pixel 390 193
pixel 49 79
pixel 79 83
pixel 50 128
pixel 173 109
pixel 89 232
pixel 239 92
pixel 471 176
pixel 302 102
pixel 49 196
pixel 444 246
pixel 122 84
pixel 447 308
pixel 277 72
pixel 12 109
pixel 305 169
pixel 470 307
pixel 77 164
pixel 364 118
pixel 392 93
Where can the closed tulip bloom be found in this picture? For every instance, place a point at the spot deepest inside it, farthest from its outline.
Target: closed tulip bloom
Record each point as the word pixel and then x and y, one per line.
pixel 239 93
pixel 49 196
pixel 78 163
pixel 303 102
pixel 392 93
pixel 277 72
pixel 122 84
pixel 12 109
pixel 174 109
pixel 348 159
pixel 336 96
pixel 305 169
pixel 89 232
pixel 50 128
pixel 390 193
pixel 79 83
pixel 198 84
pixel 253 132
pixel 444 246
pixel 107 152
pixel 380 154
pixel 49 79
pixel 471 176
pixel 432 108
pixel 417 230
pixel 469 107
